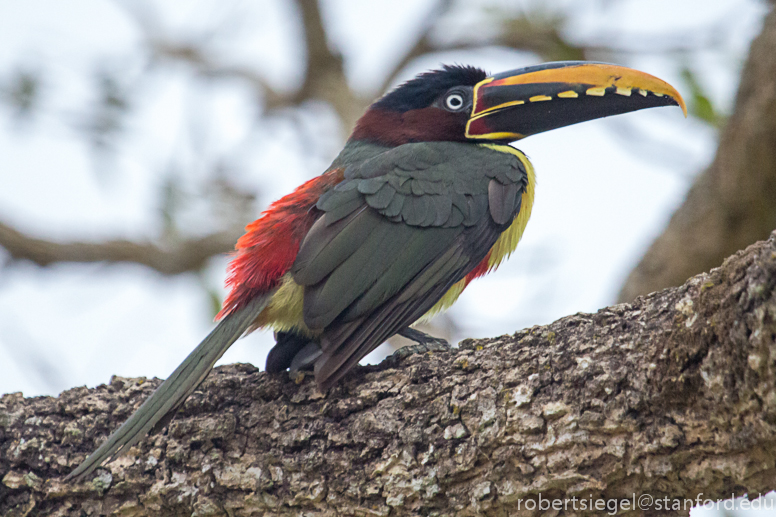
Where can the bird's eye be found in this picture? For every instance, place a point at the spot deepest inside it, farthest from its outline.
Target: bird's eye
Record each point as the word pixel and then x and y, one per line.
pixel 454 101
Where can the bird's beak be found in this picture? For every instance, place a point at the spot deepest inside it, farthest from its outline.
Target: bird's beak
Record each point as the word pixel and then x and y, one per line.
pixel 515 104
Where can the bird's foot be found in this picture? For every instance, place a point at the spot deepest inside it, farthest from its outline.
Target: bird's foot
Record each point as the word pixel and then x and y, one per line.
pixel 424 343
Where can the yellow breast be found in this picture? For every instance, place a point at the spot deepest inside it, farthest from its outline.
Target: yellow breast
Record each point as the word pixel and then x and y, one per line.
pixel 507 242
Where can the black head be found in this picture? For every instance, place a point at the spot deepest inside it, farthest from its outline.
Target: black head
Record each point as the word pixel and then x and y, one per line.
pixel 433 106
pixel 423 90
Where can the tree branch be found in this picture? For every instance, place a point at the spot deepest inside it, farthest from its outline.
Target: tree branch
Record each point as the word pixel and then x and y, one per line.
pixel 325 77
pixel 544 37
pixel 209 67
pixel 672 396
pixel 169 259
pixel 423 44
pixel 733 202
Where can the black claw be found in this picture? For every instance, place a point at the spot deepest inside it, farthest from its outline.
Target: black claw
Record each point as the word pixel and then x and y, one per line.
pixel 425 343
pixel 421 338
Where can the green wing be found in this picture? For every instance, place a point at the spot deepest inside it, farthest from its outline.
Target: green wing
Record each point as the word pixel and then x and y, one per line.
pixel 395 235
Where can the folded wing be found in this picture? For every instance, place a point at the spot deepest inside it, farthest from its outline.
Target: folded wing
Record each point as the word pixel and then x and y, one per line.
pixel 396 234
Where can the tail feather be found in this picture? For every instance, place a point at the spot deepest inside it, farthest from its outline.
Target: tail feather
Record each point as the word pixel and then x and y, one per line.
pixel 161 405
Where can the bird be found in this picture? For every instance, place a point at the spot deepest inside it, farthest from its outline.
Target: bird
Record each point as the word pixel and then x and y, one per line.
pixel 426 196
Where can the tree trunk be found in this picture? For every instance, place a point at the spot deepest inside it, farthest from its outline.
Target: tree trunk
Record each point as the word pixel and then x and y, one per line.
pixel 671 397
pixel 732 203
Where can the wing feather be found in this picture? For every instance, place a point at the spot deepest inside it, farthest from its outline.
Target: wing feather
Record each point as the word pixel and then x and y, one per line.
pixel 401 229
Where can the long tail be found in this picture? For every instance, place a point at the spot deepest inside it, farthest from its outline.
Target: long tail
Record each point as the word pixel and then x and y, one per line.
pixel 161 405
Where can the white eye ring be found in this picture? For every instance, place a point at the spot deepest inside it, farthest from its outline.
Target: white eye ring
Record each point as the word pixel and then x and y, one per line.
pixel 454 101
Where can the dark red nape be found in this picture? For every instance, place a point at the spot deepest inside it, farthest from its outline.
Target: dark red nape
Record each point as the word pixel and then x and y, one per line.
pixel 394 128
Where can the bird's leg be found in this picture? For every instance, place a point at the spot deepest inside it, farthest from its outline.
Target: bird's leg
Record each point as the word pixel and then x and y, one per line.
pixel 294 352
pixel 424 343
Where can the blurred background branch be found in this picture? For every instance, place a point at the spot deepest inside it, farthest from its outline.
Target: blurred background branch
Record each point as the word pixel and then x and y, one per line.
pixel 169 259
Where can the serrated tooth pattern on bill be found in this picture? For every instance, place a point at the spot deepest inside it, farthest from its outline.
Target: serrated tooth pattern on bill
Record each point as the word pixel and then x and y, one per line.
pixel 597 91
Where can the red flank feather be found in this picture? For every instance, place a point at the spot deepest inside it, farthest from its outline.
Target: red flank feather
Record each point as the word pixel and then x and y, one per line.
pixel 482 268
pixel 267 250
